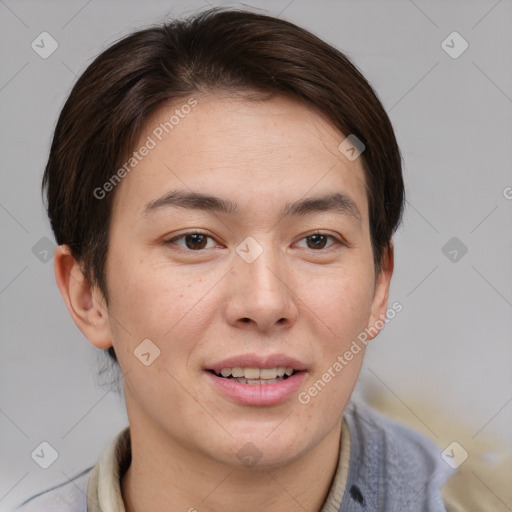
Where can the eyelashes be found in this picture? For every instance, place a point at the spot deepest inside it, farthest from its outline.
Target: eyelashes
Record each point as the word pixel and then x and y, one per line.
pixel 320 237
pixel 197 241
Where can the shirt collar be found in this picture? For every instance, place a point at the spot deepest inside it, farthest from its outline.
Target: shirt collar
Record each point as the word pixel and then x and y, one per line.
pixel 104 487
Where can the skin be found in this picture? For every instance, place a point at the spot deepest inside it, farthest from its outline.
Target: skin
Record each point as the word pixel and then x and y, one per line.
pixel 201 306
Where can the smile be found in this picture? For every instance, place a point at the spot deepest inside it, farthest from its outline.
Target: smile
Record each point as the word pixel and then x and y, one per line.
pixel 256 376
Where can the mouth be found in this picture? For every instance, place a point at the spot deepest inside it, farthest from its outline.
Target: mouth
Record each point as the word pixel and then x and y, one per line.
pixel 255 376
pixel 257 379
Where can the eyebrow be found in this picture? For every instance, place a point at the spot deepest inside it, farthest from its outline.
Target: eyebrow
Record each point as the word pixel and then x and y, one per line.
pixel 335 202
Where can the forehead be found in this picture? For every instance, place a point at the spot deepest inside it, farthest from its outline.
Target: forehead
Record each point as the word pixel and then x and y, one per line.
pixel 254 152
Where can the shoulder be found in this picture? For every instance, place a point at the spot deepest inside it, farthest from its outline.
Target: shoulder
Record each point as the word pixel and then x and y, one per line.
pixel 393 464
pixel 69 496
pixel 398 444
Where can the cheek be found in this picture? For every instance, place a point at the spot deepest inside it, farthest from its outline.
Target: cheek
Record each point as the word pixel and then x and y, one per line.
pixel 342 303
pixel 159 303
pixel 343 310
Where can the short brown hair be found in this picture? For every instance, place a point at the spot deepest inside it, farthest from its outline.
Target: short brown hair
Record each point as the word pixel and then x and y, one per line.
pixel 215 50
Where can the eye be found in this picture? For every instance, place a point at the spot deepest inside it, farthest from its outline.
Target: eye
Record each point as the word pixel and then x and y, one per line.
pixel 318 241
pixel 193 241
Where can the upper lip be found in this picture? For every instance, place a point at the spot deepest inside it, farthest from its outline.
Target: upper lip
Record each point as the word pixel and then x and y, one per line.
pixel 258 361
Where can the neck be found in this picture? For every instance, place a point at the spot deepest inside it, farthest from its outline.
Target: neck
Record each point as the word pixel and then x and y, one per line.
pixel 166 476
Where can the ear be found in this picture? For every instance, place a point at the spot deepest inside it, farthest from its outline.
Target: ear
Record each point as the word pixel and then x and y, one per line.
pixel 85 304
pixel 381 294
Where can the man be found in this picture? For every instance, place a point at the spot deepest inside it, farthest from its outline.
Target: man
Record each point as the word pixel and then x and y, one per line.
pixel 224 190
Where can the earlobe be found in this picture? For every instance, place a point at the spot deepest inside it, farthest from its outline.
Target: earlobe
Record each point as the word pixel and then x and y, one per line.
pixel 380 298
pixel 85 304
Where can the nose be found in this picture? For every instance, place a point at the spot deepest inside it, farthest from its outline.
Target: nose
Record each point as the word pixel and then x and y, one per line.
pixel 260 294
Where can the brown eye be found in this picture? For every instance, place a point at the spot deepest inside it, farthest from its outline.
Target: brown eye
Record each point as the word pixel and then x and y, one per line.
pixel 191 241
pixel 196 241
pixel 317 241
pixel 320 242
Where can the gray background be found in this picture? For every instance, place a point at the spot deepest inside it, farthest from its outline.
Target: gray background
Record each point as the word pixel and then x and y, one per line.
pixel 444 364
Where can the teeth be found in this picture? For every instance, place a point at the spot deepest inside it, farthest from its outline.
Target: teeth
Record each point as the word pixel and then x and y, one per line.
pixel 256 374
pixel 258 382
pixel 268 373
pixel 252 373
pixel 237 372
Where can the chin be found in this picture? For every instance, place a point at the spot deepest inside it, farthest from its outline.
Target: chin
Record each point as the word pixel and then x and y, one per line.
pixel 257 450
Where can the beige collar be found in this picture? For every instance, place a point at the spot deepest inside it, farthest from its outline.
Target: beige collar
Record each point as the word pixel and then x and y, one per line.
pixel 104 488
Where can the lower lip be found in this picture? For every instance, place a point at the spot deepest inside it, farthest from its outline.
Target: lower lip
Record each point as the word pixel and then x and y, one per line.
pixel 259 394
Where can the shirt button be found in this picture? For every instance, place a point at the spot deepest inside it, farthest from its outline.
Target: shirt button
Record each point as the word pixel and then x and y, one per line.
pixel 356 494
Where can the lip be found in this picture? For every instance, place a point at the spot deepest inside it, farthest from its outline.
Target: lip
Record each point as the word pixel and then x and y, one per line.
pixel 258 361
pixel 257 395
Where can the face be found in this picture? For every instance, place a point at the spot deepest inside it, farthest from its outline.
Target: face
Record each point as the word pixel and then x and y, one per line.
pixel 240 247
